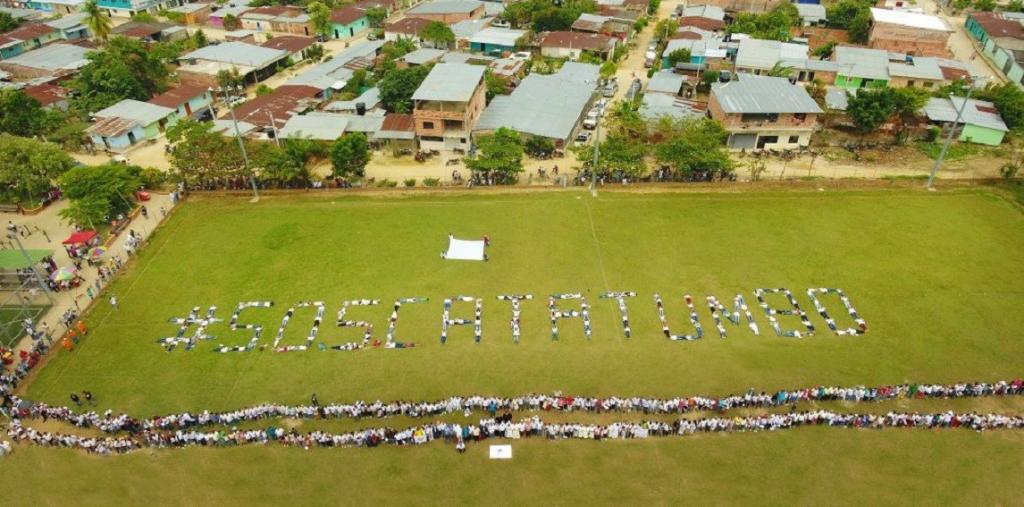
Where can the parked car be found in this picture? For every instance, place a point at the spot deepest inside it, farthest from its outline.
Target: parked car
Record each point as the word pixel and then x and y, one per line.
pixel 610 89
pixel 372 35
pixel 521 55
pixel 583 137
pixel 591 120
pixel 500 23
pixel 601 105
pixel 649 58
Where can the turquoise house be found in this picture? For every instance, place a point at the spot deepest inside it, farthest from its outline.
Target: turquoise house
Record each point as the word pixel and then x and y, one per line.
pixel 347 22
pixel 1001 39
pixel 495 40
pixel 128 122
pixel 980 121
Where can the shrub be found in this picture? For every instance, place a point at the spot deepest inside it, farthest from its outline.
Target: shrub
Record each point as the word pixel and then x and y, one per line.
pixel 152 177
pixel 431 182
pixel 409 183
pixel 386 183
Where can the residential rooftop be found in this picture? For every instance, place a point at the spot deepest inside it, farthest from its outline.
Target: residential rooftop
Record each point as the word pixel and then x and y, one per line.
pixel 450 82
pixel 751 94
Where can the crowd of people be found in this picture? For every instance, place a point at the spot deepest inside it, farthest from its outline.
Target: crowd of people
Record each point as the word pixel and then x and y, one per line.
pixel 477 320
pixel 556 314
pixel 504 427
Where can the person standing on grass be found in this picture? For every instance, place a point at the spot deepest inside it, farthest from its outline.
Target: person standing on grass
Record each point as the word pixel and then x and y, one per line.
pixel 88 397
pixel 313 401
pixel 145 213
pixel 81 328
pixel 74 398
pixel 113 301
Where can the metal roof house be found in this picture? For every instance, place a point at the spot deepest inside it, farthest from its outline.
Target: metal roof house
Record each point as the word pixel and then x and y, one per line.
pixel 980 121
pixel 254 63
pixel 549 106
pixel 54 60
pixel 121 125
pixel 447 105
pixel 764 113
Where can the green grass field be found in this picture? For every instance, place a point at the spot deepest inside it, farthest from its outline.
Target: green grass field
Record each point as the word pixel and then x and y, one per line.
pixel 937 276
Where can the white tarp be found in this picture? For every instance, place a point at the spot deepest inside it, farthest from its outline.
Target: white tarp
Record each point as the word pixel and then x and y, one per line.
pixel 467 250
pixel 501 452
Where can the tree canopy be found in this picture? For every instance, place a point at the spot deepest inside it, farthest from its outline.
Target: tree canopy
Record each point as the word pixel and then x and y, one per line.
pixel 547 15
pixel 772 25
pixel 7 22
pixel 200 155
pixel 852 15
pixel 693 148
pixel 499 156
pixel 99 193
pixel 320 18
pixel 869 109
pixel 124 69
pixel 438 34
pixel 97 22
pixel 28 168
pixel 350 154
pixel 22 115
pixel 398 86
pixel 1009 100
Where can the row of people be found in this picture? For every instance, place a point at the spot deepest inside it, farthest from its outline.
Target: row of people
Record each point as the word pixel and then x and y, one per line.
pixel 504 427
pixel 109 422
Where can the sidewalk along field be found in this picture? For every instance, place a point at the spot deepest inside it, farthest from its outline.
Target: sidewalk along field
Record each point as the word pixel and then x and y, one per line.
pixel 936 276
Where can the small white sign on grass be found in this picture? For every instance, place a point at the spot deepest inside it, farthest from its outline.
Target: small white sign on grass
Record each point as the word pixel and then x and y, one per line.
pixel 501 452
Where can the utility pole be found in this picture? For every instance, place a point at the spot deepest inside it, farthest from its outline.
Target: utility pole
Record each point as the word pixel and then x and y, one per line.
pixel 241 146
pixel 949 138
pixel 32 267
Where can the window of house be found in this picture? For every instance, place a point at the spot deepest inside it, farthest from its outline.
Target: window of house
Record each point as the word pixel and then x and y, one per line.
pixel 794 139
pixel 927 84
pixel 800 116
pixel 910 84
pixel 428 124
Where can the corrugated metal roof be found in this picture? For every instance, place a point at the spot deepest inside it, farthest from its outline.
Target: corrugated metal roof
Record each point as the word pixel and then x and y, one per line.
pixel 238 53
pixel 450 82
pixel 665 81
pixel 142 112
pixel 911 19
pixel 976 112
pixel 836 98
pixel 111 127
pixel 370 98
pixel 764 54
pixel 53 57
pixel 324 75
pixel 704 11
pixel 811 12
pixel 498 36
pixel 921 68
pixel 423 56
pixel 659 104
pixel 469 27
pixel 862 62
pixel 544 105
pixel 446 7
pixel 318 126
pixel 762 94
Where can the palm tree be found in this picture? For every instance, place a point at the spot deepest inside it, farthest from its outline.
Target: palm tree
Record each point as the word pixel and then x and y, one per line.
pixel 98 23
pixel 780 70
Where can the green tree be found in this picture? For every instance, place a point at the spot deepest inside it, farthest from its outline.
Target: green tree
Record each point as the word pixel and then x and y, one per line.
pixel 7 22
pixel 496 85
pixel 28 168
pixel 539 146
pixel 860 27
pixel 780 70
pixel 679 55
pixel 398 86
pixel 376 16
pixel 263 89
pixel 145 17
pixel 840 14
pixel 1015 6
pixel 438 34
pixel 624 119
pixel 111 184
pixel 320 18
pixel 23 115
pixel 665 28
pixel 87 211
pixel 199 155
pixel 693 148
pixel 1009 100
pixel 231 22
pixel 124 69
pixel 824 51
pixel 230 79
pixel 199 39
pixel 350 154
pixel 608 69
pixel 279 168
pixel 869 109
pixel 97 22
pixel 315 53
pixel 617 153
pixel 499 156
pixel 772 25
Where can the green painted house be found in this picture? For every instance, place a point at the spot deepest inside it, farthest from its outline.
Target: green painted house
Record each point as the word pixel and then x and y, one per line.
pixel 1001 39
pixel 347 22
pixel 979 123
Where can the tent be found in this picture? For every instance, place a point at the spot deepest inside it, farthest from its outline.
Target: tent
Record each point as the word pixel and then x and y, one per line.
pixel 466 250
pixel 80 237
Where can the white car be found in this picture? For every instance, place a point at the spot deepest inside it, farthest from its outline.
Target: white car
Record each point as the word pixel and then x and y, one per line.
pixel 500 23
pixel 591 120
pixel 522 55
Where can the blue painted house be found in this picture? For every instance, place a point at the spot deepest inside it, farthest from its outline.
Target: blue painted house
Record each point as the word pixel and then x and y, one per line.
pixel 495 40
pixel 121 125
pixel 348 21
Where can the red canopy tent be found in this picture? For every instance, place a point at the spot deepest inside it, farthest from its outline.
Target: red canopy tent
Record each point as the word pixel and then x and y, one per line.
pixel 80 238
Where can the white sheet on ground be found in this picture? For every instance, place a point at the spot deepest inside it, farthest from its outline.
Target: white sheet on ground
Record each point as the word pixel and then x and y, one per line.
pixel 466 250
